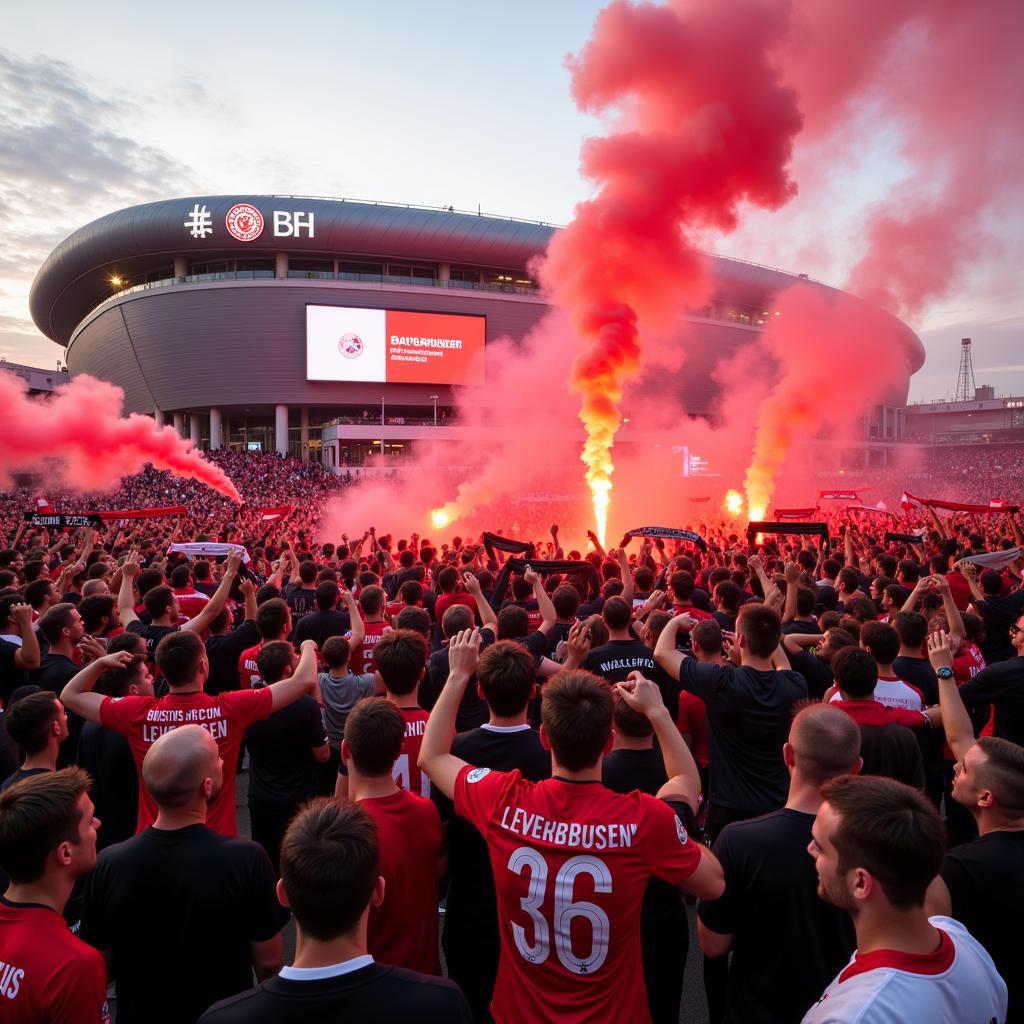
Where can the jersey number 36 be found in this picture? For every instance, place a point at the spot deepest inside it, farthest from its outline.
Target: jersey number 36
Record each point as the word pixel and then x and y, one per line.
pixel 528 862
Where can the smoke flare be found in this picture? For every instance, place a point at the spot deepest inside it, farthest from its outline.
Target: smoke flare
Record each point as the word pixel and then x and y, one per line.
pixel 80 427
pixel 700 124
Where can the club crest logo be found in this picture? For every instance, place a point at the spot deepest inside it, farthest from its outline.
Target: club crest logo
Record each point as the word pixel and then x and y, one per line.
pixel 350 346
pixel 244 222
pixel 681 832
pixel 477 774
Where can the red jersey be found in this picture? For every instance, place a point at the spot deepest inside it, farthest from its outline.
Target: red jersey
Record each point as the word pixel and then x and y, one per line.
pixel 692 611
pixel 403 929
pixel 361 660
pixel 571 862
pixel 190 602
pixel 968 663
pixel 446 601
pixel 248 671
pixel 46 973
pixel 693 719
pixel 143 720
pixel 406 771
pixel 873 712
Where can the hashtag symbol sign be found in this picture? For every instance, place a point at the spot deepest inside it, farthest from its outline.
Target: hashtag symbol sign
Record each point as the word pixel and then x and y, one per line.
pixel 200 221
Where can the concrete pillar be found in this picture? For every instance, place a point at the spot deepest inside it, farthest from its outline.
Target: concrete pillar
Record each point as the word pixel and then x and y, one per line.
pixel 281 265
pixel 179 423
pixel 181 267
pixel 158 417
pixel 281 428
pixel 444 274
pixel 195 428
pixel 215 429
pixel 304 434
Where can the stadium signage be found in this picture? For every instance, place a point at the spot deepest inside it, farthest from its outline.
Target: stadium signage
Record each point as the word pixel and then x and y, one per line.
pixel 246 223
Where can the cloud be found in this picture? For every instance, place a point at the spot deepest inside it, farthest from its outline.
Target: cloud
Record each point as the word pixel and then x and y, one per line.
pixel 65 159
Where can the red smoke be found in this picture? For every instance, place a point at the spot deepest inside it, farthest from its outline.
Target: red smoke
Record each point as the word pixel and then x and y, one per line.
pixel 80 427
pixel 941 82
pixel 706 102
pixel 701 125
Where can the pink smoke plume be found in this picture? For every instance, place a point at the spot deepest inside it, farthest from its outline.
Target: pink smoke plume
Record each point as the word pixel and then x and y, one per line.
pixel 700 124
pixel 704 104
pixel 943 80
pixel 81 436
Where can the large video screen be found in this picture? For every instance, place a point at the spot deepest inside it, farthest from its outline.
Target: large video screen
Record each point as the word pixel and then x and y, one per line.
pixel 392 346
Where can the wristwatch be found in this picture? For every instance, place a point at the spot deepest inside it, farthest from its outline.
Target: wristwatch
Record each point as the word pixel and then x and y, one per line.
pixel 945 672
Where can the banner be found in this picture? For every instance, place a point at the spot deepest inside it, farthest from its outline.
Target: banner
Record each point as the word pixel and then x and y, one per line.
pixel 95 519
pixel 209 549
pixel 994 559
pixel 144 513
pixel 495 542
pixel 61 519
pixel 870 508
pixel 799 529
pixel 959 506
pixel 665 533
pixel 904 538
pixel 840 495
pixel 795 513
pixel 274 513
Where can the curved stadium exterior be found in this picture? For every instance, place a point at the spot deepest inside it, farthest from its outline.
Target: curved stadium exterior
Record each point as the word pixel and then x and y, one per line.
pixel 207 327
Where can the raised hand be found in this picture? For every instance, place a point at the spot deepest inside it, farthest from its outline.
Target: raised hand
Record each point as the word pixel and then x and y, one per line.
pixel 464 653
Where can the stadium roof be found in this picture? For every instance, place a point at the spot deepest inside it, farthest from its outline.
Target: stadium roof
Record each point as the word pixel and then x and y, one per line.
pixel 76 276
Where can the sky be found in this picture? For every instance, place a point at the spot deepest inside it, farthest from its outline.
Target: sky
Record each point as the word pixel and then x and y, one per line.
pixel 435 104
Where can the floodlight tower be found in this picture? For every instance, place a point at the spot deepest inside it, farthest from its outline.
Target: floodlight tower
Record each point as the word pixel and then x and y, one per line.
pixel 965 382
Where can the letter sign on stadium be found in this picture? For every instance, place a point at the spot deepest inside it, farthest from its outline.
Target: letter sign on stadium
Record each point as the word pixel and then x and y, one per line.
pixel 394 346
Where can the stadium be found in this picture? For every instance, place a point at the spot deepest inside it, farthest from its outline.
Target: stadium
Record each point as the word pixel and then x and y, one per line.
pixel 331 329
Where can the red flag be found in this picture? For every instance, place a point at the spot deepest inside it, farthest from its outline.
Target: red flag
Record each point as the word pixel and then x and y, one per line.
pixel 44 507
pixel 143 513
pixel 275 513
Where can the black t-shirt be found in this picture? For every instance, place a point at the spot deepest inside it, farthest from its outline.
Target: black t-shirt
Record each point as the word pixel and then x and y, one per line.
pixel 616 659
pixel 999 613
pixel 1002 686
pixel 984 882
pixel 918 672
pixel 789 943
pixel 473 710
pixel 54 673
pixel 663 913
pixel 21 773
pixel 892 751
pixel 796 626
pixel 817 673
pixel 625 770
pixel 151 634
pixel 182 904
pixel 471 898
pixel 282 769
pixel 749 714
pixel 321 626
pixel 10 757
pixel 558 632
pixel 11 677
pixel 107 757
pixel 383 995
pixel 223 653
pixel 300 600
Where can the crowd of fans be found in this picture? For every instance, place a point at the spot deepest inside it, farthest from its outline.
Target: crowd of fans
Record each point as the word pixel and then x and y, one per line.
pixel 527 762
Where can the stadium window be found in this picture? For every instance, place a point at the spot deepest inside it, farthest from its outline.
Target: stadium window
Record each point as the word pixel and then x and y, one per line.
pixel 248 265
pixel 374 269
pixel 312 266
pixel 465 274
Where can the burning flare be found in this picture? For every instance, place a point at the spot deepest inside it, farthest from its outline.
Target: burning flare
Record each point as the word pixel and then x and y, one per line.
pixel 733 502
pixel 441 517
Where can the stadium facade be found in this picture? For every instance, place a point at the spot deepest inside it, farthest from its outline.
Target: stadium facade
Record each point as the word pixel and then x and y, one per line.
pixel 259 320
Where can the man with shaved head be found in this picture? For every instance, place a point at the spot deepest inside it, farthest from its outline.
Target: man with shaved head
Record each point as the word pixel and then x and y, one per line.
pixel 182 914
pixel 770 915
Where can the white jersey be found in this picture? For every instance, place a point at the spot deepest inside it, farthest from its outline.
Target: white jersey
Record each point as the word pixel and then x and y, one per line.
pixel 957 984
